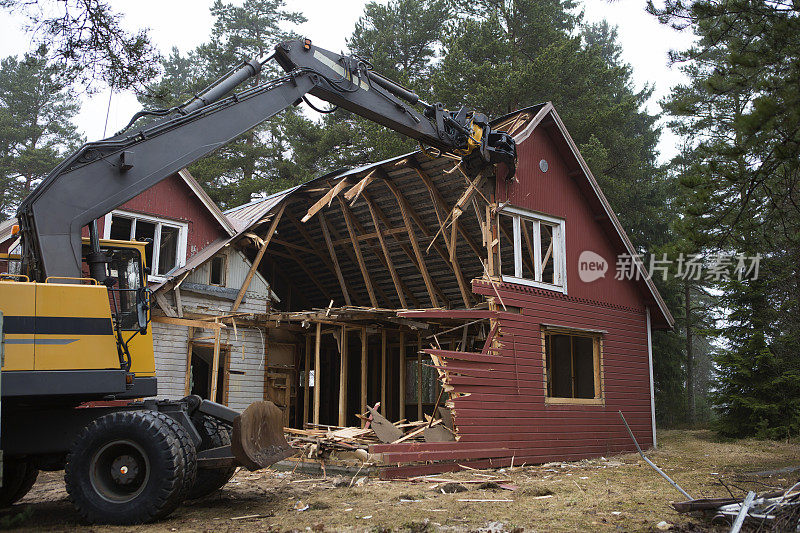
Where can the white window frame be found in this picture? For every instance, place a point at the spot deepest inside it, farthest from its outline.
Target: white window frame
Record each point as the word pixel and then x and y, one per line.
pixel 559 249
pixel 183 233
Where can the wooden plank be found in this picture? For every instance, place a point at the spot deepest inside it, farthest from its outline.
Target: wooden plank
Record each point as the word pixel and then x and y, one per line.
pixel 317 374
pixel 414 244
pixel 383 371
pixel 259 256
pixel 358 188
pixel 348 219
pixel 462 284
pixel 326 199
pixel 363 371
pixel 335 260
pixel 164 305
pixel 389 264
pixel 384 430
pixel 307 365
pixel 178 301
pixel 187 384
pixel 402 377
pixel 214 367
pixel 343 353
pixel 187 322
pixel 414 433
pixel 491 239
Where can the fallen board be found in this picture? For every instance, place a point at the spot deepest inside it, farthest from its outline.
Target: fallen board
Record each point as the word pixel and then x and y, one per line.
pixel 384 430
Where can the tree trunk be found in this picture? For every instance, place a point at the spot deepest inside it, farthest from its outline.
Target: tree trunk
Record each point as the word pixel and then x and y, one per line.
pixel 689 354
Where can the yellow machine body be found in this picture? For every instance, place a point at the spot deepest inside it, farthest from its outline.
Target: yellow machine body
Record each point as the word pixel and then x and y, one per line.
pixel 66 324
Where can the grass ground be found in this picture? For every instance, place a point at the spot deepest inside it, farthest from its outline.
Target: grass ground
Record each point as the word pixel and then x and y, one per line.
pixel 618 493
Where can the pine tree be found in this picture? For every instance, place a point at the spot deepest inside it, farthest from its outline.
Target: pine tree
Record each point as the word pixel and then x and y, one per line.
pixel 740 113
pixel 35 125
pixel 257 162
pixel 85 40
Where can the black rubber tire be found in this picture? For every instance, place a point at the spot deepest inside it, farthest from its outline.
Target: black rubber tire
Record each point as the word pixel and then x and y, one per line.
pixel 95 456
pixel 19 476
pixel 214 435
pixel 188 452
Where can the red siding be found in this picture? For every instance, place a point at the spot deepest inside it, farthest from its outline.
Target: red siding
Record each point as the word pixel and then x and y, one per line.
pixel 555 193
pixel 505 415
pixel 173 199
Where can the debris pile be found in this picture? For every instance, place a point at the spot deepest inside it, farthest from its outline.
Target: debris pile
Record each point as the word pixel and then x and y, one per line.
pixel 320 441
pixel 780 508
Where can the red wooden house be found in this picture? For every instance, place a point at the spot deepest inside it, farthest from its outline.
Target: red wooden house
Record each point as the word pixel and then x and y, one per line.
pixel 509 286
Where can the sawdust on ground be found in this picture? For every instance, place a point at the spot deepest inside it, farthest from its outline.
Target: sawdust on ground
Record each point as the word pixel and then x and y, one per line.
pixel 619 493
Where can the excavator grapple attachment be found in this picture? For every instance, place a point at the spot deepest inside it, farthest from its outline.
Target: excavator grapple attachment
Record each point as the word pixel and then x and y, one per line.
pixel 258 439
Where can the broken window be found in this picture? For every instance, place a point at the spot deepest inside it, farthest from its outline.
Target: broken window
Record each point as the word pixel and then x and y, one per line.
pixel 532 250
pixel 217 268
pixel 572 365
pixel 166 239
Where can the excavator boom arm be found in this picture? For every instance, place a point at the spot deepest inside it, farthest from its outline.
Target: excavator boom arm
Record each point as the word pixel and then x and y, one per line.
pixel 103 175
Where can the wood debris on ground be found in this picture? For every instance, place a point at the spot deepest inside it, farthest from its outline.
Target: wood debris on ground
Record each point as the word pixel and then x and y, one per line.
pixel 320 441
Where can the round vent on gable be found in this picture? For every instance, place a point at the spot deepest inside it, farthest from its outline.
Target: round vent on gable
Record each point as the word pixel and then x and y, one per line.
pixel 543 166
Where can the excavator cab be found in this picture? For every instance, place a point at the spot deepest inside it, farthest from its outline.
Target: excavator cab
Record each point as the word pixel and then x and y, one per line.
pixel 128 299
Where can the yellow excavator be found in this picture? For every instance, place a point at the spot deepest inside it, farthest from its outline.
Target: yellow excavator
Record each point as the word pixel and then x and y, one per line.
pixel 76 326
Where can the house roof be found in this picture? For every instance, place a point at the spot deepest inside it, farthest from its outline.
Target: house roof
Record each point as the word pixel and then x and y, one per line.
pixel 316 273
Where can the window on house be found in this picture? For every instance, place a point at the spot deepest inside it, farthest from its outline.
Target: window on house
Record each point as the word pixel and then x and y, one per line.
pixel 166 239
pixel 532 250
pixel 216 274
pixel 572 365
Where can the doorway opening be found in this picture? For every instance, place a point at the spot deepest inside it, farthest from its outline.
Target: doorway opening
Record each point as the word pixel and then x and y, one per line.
pixel 200 376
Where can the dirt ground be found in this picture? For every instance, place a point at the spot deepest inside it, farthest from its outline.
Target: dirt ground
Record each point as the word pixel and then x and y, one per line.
pixel 619 493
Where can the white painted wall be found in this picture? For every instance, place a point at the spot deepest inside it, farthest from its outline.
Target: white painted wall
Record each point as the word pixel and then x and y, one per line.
pixel 247 348
pixel 238 267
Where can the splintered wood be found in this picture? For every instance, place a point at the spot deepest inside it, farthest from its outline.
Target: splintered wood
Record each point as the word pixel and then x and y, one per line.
pixel 319 441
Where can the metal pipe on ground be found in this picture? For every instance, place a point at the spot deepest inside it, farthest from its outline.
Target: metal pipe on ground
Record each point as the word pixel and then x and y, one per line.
pixel 651 463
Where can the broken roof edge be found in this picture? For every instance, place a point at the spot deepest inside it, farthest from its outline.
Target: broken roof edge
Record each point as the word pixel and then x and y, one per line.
pixel 548 109
pixel 206 200
pixel 199 259
pixel 540 112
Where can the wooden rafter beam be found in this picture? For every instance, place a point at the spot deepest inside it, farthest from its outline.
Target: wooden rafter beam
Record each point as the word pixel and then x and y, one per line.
pixel 404 211
pixel 334 259
pixel 348 250
pixel 451 243
pixel 389 264
pixel 259 256
pixel 442 205
pixel 379 255
pixel 348 219
pixel 311 275
pixel 324 256
pixel 368 236
pixel 410 254
pixel 326 200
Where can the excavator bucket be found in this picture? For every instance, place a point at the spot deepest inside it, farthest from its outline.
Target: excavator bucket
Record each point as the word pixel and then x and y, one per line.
pixel 258 439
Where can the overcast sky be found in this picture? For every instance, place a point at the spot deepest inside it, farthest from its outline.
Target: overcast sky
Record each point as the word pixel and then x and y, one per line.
pixel 187 23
